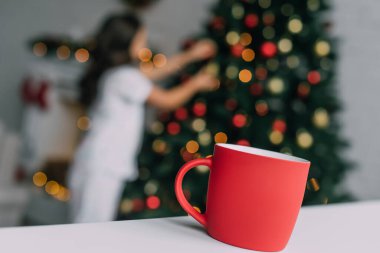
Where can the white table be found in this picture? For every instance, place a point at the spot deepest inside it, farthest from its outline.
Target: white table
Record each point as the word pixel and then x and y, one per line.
pixel 333 228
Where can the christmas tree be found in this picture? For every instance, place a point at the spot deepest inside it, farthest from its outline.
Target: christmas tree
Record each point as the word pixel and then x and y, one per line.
pixel 276 64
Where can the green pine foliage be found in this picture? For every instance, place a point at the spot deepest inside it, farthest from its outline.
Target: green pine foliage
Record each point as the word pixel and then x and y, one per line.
pixel 276 63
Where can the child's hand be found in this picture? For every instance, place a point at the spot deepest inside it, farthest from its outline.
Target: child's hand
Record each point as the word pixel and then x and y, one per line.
pixel 205 82
pixel 202 50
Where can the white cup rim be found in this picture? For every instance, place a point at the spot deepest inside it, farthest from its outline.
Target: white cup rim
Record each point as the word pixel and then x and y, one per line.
pixel 262 152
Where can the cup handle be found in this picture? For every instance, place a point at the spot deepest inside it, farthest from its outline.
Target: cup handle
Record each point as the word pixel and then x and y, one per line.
pixel 201 218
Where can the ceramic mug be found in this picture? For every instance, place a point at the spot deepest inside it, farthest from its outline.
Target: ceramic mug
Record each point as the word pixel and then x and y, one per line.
pixel 254 196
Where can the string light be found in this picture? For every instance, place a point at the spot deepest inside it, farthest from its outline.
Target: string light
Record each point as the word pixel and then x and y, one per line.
pixel 82 55
pixel 198 125
pixel 322 48
pixel 237 11
pixel 276 85
pixel 265 3
pixel 199 109
pixel 268 49
pixel 145 54
pixel 204 138
pixel 63 52
pixel 313 5
pixel 313 77
pixel 243 142
pixel 245 75
pixel 212 68
pixel 251 20
pixel 295 25
pixel 157 127
pixel 232 71
pixel 232 38
pixel 159 146
pixel 292 61
pixel 220 137
pixel 287 9
pixel 245 39
pixel 203 169
pixel 321 118
pixel 285 45
pixel 279 125
pixel 39 179
pixel 153 202
pixel 173 128
pixel 192 146
pixel 239 120
pixel 84 123
pixel 269 32
pixel 52 187
pixel 151 187
pixel 159 60
pixel 248 55
pixel 276 137
pixel 261 108
pixel 304 139
pixel 126 206
pixel 181 113
pixel 39 49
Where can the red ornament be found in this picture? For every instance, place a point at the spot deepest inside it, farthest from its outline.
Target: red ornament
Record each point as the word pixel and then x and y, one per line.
pixel 138 205
pixel 173 128
pixel 243 142
pixel 231 104
pixel 268 49
pixel 239 120
pixel 261 108
pixel 181 113
pixel 314 77
pixel 256 89
pixel 303 90
pixel 251 20
pixel 261 73
pixel 236 50
pixel 153 202
pixel 279 125
pixel 217 23
pixel 199 109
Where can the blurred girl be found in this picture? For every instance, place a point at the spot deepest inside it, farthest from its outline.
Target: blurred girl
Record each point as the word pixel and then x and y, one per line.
pixel 115 91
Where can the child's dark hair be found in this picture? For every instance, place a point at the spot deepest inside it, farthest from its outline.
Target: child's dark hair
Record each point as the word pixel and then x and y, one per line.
pixel 112 48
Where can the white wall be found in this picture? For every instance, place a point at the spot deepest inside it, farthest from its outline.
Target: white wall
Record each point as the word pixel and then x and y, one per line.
pixel 356 23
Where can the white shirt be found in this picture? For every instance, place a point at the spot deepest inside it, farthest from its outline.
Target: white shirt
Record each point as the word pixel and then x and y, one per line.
pixel 115 135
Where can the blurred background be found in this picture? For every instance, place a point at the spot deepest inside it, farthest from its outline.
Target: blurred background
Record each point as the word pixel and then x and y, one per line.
pixel 46 45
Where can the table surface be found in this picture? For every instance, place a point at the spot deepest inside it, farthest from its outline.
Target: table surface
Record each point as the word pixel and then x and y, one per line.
pixel 351 227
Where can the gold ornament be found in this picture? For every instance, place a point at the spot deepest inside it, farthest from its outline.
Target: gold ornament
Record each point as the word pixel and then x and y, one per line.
pixel 248 55
pixel 126 206
pixel 159 146
pixel 157 127
pixel 237 11
pixel 245 39
pixel 245 75
pixel 212 68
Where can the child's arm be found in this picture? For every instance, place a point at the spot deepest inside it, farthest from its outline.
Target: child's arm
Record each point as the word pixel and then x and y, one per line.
pixel 203 49
pixel 175 97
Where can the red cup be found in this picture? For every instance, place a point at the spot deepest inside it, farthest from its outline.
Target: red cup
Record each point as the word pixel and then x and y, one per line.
pixel 254 196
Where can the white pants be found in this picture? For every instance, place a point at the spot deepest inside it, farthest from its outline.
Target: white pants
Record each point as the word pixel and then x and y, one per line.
pixel 94 196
